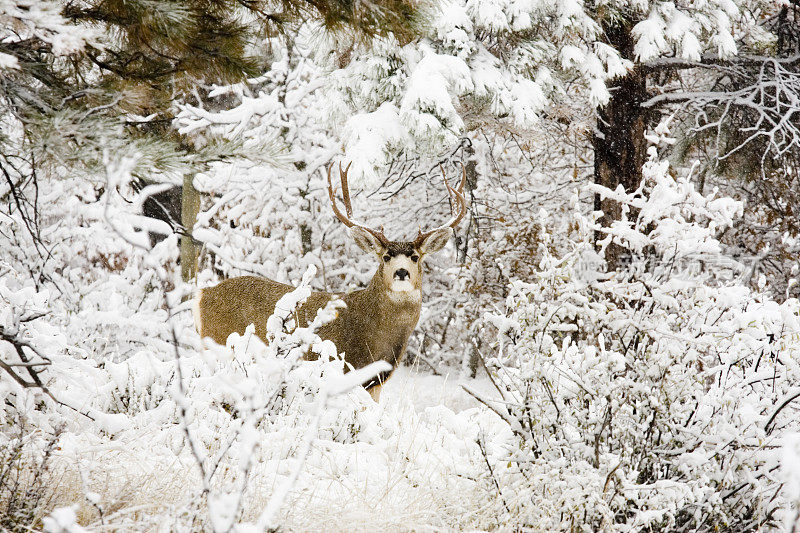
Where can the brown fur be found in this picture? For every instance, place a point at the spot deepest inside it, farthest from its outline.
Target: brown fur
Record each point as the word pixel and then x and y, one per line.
pixel 238 302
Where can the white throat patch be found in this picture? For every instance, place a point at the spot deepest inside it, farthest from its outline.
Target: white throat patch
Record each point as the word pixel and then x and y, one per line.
pixel 402 286
pixel 405 296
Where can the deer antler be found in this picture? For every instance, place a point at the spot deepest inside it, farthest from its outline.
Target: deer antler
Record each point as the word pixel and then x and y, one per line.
pixel 347 219
pixel 458 209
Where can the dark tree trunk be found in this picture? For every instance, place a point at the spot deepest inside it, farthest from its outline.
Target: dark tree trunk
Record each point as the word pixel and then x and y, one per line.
pixel 462 241
pixel 164 206
pixel 619 142
pixel 462 246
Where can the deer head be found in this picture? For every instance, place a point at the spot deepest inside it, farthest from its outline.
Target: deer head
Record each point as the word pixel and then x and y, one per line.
pixel 400 270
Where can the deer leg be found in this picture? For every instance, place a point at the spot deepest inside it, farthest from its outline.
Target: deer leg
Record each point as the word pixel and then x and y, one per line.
pixel 375 392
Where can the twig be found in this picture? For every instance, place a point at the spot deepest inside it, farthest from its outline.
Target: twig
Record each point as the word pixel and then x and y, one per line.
pixel 786 402
pixel 481 446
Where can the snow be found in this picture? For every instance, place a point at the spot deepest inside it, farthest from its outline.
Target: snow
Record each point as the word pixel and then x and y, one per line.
pixel 650 37
pixel 8 61
pixel 423 390
pixel 428 100
pixel 605 400
pixel 424 431
pixel 366 137
pixel 62 520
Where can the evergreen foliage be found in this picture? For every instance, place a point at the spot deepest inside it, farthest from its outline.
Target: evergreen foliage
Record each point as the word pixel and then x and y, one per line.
pixel 84 78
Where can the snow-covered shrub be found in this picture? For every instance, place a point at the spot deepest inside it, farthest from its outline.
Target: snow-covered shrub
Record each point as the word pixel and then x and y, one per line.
pixel 653 397
pixel 33 353
pixel 237 405
pixel 210 416
pixel 790 473
pixel 34 356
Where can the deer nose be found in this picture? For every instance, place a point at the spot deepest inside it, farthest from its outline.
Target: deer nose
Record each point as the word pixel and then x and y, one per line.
pixel 401 274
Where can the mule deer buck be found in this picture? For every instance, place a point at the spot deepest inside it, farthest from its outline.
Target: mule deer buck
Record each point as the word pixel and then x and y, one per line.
pixel 376 322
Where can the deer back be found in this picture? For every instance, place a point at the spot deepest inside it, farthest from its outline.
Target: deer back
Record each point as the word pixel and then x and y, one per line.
pixel 372 326
pixel 235 303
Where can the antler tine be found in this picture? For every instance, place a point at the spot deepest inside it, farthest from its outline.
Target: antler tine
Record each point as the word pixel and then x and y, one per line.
pixel 347 219
pixel 343 219
pixel 457 195
pixel 346 189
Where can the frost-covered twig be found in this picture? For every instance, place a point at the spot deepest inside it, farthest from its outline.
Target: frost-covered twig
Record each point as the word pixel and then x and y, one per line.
pixel 267 519
pixel 395 181
pixel 13 337
pixel 768 427
pixel 772 103
pixel 482 446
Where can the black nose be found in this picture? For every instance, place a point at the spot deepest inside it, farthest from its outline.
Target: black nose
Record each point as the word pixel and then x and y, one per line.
pixel 401 274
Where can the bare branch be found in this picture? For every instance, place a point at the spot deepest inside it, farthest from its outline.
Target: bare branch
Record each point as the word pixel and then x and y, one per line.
pixel 714 62
pixel 770 101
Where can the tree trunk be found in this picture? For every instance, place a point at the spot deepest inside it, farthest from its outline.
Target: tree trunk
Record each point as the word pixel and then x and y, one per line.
pixel 462 242
pixel 472 356
pixel 473 359
pixel 190 205
pixel 619 139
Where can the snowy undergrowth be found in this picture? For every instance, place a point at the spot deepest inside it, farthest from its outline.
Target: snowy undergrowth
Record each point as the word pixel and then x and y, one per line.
pixel 130 437
pixel 658 396
pixel 368 466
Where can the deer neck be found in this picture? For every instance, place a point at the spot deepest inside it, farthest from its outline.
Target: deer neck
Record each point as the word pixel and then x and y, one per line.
pixel 395 315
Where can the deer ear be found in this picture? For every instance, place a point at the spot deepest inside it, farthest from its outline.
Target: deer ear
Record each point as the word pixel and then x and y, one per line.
pixel 366 240
pixel 435 241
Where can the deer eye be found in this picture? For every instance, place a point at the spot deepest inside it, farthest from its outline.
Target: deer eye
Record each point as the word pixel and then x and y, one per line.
pixel 387 258
pixel 415 258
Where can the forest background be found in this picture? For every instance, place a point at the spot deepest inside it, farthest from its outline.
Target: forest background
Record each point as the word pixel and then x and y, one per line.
pixel 618 313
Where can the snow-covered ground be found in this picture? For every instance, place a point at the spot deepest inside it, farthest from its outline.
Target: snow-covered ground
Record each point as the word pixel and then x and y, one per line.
pixel 415 461
pixel 419 466
pixel 423 390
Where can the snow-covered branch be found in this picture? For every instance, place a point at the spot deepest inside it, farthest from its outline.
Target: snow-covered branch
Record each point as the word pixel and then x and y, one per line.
pixel 766 109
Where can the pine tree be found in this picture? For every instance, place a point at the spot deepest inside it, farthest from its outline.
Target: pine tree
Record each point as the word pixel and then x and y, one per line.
pixel 85 81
